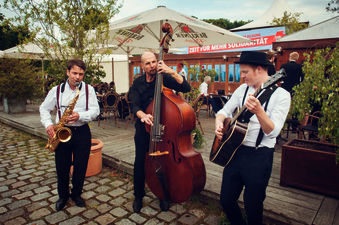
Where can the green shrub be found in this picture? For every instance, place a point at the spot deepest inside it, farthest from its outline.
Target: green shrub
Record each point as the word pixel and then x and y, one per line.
pixel 20 79
pixel 320 87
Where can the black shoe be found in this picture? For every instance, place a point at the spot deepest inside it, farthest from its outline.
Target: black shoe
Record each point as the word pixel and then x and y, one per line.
pixel 60 204
pixel 164 205
pixel 80 202
pixel 137 205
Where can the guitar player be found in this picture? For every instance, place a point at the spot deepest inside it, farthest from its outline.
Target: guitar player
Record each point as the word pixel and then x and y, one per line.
pixel 251 165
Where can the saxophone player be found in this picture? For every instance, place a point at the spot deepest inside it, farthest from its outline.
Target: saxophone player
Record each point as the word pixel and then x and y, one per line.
pixel 81 96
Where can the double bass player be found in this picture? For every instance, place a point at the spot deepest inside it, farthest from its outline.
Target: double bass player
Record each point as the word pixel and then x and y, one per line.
pixel 141 94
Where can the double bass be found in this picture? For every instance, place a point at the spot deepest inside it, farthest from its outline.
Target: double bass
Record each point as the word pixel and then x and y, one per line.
pixel 173 169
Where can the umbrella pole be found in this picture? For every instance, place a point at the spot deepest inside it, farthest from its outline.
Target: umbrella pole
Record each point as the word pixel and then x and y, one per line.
pixel 113 69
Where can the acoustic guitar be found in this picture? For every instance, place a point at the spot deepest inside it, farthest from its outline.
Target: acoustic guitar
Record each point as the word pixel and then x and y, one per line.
pixel 234 131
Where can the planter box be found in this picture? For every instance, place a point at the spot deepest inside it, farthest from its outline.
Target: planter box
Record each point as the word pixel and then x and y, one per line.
pixel 310 165
pixel 94 164
pixel 14 106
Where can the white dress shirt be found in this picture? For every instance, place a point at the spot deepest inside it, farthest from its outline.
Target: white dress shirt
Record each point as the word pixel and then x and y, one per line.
pixel 64 99
pixel 203 88
pixel 277 110
pixel 183 73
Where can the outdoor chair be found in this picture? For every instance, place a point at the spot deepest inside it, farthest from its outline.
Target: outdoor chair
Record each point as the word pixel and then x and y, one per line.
pixel 310 125
pixel 126 111
pixel 292 125
pixel 205 106
pixel 110 107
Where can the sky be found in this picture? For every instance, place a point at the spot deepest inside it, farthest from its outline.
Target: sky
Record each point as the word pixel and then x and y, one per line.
pixel 313 10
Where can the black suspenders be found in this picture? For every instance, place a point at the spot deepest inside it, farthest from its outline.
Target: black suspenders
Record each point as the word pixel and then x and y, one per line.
pixel 62 86
pixel 264 97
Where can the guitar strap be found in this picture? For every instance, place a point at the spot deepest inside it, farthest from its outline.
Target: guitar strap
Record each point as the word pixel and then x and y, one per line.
pixel 264 97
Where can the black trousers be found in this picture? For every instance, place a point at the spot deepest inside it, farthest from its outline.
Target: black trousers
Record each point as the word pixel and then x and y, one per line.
pixel 141 140
pixel 80 147
pixel 250 168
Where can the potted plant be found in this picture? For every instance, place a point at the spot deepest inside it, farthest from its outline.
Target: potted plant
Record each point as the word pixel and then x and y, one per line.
pixel 197 136
pixel 20 80
pixel 313 165
pixel 199 73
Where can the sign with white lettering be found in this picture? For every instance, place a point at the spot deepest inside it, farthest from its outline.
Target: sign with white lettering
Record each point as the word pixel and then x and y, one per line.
pixel 261 40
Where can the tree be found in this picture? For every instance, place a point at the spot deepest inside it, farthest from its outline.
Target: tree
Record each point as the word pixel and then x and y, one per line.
pixel 320 88
pixel 226 23
pixel 199 73
pixel 333 6
pixel 290 21
pixel 66 29
pixel 20 79
pixel 11 35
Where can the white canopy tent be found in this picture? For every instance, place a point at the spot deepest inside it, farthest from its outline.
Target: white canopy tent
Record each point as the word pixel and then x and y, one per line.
pixel 28 50
pixel 276 10
pixel 327 29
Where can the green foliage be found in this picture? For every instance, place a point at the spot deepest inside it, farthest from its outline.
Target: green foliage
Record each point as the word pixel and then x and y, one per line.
pixel 201 73
pixel 66 29
pixel 93 73
pixel 226 23
pixel 290 21
pixel 20 79
pixel 191 97
pixel 223 220
pixel 333 6
pixel 321 87
pixel 11 35
pixel 198 138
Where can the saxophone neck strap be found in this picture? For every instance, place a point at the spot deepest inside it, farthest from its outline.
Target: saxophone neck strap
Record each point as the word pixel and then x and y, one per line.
pixel 62 87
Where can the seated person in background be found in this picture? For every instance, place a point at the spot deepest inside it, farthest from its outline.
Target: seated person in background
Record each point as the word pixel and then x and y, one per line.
pixel 203 88
pixel 181 70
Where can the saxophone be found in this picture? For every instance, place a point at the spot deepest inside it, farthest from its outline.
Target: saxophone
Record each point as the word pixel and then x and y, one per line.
pixel 62 133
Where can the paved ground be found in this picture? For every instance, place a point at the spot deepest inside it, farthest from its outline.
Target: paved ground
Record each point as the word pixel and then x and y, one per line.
pixel 28 192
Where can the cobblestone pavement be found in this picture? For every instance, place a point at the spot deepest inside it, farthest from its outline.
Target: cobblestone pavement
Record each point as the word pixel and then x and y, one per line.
pixel 28 192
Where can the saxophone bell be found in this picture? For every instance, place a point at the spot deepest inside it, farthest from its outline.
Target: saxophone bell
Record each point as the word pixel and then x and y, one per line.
pixel 64 134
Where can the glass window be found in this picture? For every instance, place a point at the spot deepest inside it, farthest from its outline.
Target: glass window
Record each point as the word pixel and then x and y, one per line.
pixel 217 69
pixel 231 73
pixel 237 73
pixel 192 76
pixel 136 70
pixel 186 69
pixel 209 67
pixel 223 73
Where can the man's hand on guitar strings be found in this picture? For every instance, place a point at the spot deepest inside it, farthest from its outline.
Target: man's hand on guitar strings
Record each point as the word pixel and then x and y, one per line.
pixel 253 104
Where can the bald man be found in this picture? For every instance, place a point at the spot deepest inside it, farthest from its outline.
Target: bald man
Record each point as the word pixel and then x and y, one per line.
pixel 141 93
pixel 294 73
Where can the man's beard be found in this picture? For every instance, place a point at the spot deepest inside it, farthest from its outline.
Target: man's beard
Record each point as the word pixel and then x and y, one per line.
pixel 152 73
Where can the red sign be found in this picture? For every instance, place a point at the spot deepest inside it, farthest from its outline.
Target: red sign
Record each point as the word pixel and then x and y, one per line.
pixel 258 39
